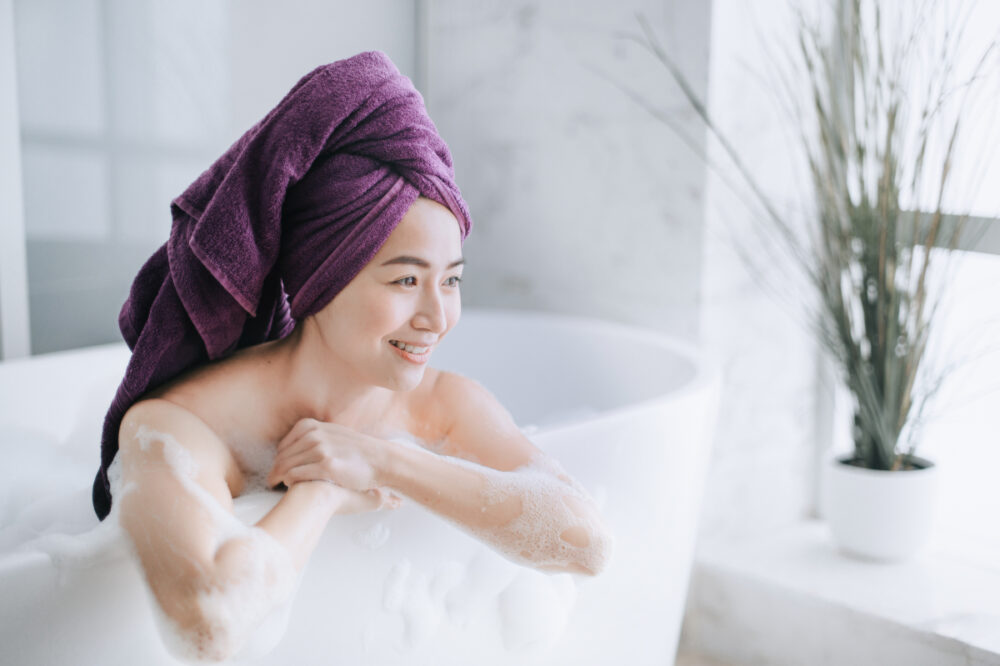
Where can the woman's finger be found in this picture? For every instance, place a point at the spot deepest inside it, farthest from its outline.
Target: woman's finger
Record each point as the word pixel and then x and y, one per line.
pixel 309 472
pixel 303 443
pixel 286 462
pixel 301 427
pixel 384 498
pixel 387 498
pixel 393 501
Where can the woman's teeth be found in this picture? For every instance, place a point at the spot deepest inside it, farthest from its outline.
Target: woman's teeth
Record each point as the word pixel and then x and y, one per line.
pixel 409 348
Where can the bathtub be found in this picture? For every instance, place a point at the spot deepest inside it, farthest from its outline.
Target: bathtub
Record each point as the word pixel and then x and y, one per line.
pixel 626 411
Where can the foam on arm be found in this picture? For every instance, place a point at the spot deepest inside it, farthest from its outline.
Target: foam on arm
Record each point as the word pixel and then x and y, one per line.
pixel 535 515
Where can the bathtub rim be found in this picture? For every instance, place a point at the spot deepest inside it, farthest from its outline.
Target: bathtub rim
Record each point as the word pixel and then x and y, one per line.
pixel 706 376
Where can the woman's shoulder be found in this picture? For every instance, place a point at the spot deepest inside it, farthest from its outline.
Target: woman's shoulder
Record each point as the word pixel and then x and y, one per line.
pixel 445 397
pixel 210 392
pixel 475 425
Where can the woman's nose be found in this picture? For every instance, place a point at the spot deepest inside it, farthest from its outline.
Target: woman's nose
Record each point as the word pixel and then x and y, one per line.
pixel 431 315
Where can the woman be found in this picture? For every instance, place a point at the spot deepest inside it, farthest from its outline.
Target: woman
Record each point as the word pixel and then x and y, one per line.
pixel 313 406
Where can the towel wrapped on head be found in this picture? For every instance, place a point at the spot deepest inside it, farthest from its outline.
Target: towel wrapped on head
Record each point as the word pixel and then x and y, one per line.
pixel 279 224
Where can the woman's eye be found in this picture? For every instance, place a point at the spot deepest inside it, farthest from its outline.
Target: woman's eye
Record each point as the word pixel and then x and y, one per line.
pixel 410 281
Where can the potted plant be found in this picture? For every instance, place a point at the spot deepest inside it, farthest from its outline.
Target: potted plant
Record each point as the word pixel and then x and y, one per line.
pixel 877 149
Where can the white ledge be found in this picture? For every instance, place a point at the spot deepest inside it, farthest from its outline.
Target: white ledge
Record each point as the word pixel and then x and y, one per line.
pixel 790 597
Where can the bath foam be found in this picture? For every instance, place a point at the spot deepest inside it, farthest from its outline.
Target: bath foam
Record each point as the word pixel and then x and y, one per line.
pixel 487 575
pixel 372 538
pixel 256 461
pixel 552 529
pixel 552 503
pixel 77 547
pixel 249 608
pixel 527 610
pixel 418 598
pixel 534 611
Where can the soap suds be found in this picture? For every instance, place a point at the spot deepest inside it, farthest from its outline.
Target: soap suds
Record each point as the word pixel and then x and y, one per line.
pixel 419 598
pixel 255 461
pixel 534 610
pixel 254 580
pixel 530 608
pixel 553 528
pixel 372 538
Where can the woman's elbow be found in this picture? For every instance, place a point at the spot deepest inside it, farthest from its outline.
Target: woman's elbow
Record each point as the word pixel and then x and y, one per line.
pixel 591 552
pixel 597 557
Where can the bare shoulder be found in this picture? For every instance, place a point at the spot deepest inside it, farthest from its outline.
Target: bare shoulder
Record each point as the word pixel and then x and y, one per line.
pixel 458 393
pixel 162 415
pixel 475 425
pixel 165 417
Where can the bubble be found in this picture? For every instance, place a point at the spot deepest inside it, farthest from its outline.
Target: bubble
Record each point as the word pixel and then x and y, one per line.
pixel 372 538
pixel 245 605
pixel 551 527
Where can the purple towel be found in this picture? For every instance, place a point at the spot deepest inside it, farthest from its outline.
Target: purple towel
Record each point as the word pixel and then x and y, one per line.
pixel 297 206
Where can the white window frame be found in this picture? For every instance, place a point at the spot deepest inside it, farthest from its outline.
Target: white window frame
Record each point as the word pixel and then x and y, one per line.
pixel 14 322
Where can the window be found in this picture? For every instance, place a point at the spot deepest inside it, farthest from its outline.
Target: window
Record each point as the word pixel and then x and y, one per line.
pixel 122 105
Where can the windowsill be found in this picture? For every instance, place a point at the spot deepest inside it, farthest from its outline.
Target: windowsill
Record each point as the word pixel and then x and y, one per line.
pixel 791 597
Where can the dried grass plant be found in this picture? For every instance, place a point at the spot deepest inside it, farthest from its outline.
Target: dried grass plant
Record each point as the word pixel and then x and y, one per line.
pixel 877 150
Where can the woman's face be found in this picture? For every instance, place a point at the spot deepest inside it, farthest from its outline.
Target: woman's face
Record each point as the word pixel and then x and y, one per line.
pixel 407 295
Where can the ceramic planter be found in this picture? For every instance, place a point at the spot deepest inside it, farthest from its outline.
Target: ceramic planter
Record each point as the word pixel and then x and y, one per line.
pixel 880 515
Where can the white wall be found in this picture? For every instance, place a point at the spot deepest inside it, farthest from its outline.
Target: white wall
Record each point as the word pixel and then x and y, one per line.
pixel 766 438
pixel 583 203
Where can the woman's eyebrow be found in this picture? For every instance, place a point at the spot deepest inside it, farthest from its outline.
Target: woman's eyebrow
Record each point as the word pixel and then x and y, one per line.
pixel 417 261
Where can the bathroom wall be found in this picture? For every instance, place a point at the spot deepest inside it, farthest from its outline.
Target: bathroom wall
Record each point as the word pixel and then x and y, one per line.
pixel 753 312
pixel 124 103
pixel 586 204
pixel 583 202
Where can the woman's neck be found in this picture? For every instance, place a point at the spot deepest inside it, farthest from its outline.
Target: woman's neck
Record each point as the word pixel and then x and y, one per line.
pixel 312 383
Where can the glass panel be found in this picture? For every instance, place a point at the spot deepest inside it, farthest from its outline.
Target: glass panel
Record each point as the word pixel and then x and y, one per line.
pixel 124 103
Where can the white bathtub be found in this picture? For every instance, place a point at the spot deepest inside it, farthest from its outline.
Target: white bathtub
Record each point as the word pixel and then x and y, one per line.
pixel 627 412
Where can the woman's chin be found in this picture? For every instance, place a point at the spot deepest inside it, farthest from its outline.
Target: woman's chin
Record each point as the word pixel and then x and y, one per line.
pixel 406 381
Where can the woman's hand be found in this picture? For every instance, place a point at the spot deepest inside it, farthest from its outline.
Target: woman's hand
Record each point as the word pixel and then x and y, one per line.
pixel 353 501
pixel 318 451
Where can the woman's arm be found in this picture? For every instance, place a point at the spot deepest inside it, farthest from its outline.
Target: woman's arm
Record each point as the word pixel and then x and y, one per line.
pixel 518 500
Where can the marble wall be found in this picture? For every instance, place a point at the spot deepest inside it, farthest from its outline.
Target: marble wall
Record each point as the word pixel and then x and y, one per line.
pixel 586 204
pixel 583 202
pixel 755 303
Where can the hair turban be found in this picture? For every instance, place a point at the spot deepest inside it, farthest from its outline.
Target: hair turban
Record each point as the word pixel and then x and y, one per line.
pixel 279 224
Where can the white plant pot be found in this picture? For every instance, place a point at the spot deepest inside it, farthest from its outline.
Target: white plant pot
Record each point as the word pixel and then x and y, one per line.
pixel 880 515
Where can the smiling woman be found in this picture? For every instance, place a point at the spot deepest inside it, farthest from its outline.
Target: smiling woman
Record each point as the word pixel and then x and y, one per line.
pixel 233 387
pixel 408 293
pixel 393 588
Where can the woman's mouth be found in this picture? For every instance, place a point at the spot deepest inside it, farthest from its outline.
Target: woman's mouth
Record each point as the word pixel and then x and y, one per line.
pixel 412 353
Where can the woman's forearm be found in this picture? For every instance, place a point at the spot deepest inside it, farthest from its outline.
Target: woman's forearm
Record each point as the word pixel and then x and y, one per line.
pixel 529 514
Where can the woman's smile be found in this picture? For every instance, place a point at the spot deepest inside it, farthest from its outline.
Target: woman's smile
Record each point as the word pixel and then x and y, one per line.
pixel 418 355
